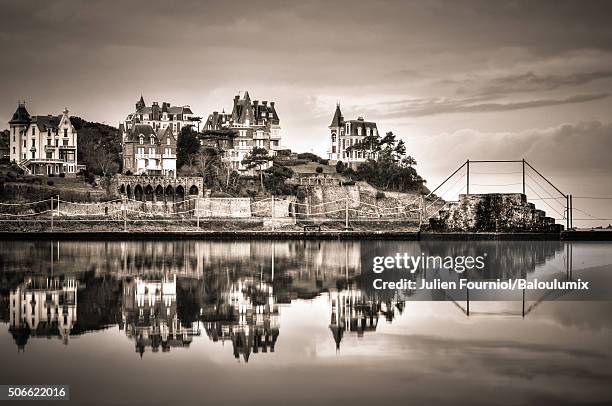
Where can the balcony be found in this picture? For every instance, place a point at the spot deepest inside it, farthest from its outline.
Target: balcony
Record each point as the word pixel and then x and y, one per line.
pixel 67 147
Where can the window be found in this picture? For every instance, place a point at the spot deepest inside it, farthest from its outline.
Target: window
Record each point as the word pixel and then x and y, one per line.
pixel 48 132
pixel 65 132
pixel 151 151
pixel 358 130
pixel 141 140
pixel 333 137
pixel 24 143
pixel 333 149
pixel 33 155
pixel 152 140
pixel 33 130
pixel 368 131
pixel 65 143
pixel 57 143
pixel 33 142
pixel 168 141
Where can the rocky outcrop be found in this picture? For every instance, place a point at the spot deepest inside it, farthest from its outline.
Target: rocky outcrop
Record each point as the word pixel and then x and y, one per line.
pixel 493 212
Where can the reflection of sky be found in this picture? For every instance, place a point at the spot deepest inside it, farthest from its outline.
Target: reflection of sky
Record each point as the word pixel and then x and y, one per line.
pixel 549 355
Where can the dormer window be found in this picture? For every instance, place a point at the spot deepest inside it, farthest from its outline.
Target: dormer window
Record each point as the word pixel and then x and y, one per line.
pixel 167 141
pixel 65 132
pixel 152 140
pixel 358 130
pixel 141 140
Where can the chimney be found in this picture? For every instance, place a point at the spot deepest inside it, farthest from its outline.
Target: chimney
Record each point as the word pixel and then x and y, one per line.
pixel 360 118
pixel 155 111
pixel 272 104
pixel 265 103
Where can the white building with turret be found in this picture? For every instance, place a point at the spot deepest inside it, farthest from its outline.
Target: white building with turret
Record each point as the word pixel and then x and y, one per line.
pixel 43 145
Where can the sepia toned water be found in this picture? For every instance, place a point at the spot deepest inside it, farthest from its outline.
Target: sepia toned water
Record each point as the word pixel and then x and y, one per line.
pixel 298 323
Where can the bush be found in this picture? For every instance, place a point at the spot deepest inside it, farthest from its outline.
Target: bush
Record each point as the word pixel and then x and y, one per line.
pixel 309 157
pixel 340 167
pixel 50 183
pixel 324 161
pixel 62 175
pixel 51 175
pixel 380 195
pixel 319 169
pixel 349 183
pixel 293 162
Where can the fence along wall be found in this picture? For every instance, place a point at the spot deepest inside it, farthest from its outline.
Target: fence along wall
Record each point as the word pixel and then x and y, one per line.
pixel 195 207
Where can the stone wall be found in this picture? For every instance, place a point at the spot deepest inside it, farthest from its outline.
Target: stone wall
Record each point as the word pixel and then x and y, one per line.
pixel 493 212
pixel 283 207
pixel 233 207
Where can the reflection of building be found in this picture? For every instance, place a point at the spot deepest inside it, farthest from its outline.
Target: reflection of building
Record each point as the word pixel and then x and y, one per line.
pixel 247 315
pixel 149 313
pixel 43 144
pixel 43 307
pixel 352 311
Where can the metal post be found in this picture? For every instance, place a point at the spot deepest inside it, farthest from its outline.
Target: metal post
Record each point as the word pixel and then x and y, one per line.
pixel 346 207
pixel 124 214
pixel 272 212
pixel 51 213
pixel 468 176
pixel 58 204
pixel 523 175
pixel 567 212
pixel 571 211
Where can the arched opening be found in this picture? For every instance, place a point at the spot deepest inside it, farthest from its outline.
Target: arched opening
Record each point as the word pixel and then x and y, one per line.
pixel 180 192
pixel 122 189
pixel 128 191
pixel 148 191
pixel 159 193
pixel 138 194
pixel 169 192
pixel 193 190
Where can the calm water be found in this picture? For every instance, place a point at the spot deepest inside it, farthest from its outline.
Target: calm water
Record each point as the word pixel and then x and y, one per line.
pixel 282 323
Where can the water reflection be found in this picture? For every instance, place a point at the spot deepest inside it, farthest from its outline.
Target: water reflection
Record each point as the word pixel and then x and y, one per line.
pixel 163 294
pixel 229 322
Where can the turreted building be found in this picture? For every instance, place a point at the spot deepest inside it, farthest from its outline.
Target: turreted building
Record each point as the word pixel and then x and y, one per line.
pixel 256 124
pixel 347 133
pixel 43 145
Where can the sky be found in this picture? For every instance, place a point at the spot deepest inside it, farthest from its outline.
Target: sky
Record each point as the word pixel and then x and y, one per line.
pixel 455 80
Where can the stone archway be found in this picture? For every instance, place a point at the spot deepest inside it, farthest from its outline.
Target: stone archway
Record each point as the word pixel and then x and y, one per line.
pixel 138 193
pixel 122 189
pixel 148 193
pixel 159 193
pixel 169 192
pixel 128 192
pixel 193 190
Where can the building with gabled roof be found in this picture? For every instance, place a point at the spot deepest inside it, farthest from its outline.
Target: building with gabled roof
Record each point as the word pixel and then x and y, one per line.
pixel 43 145
pixel 256 124
pixel 347 133
pixel 161 117
pixel 147 150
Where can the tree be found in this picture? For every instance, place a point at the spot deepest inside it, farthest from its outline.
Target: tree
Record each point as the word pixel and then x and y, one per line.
pixel 105 161
pixel 319 169
pixel 255 160
pixel 340 167
pixel 99 146
pixel 187 147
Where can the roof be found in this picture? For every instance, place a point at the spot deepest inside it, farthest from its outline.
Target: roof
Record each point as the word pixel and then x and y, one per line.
pixel 171 110
pixel 337 121
pixel 21 115
pixel 46 122
pixel 147 130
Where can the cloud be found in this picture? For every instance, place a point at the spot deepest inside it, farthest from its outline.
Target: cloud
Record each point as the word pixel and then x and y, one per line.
pixel 524 82
pixel 430 107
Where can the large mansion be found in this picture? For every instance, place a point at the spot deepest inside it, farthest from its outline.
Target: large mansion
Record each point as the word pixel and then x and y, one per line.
pixel 161 117
pixel 256 124
pixel 149 151
pixel 43 145
pixel 346 133
pixel 149 137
